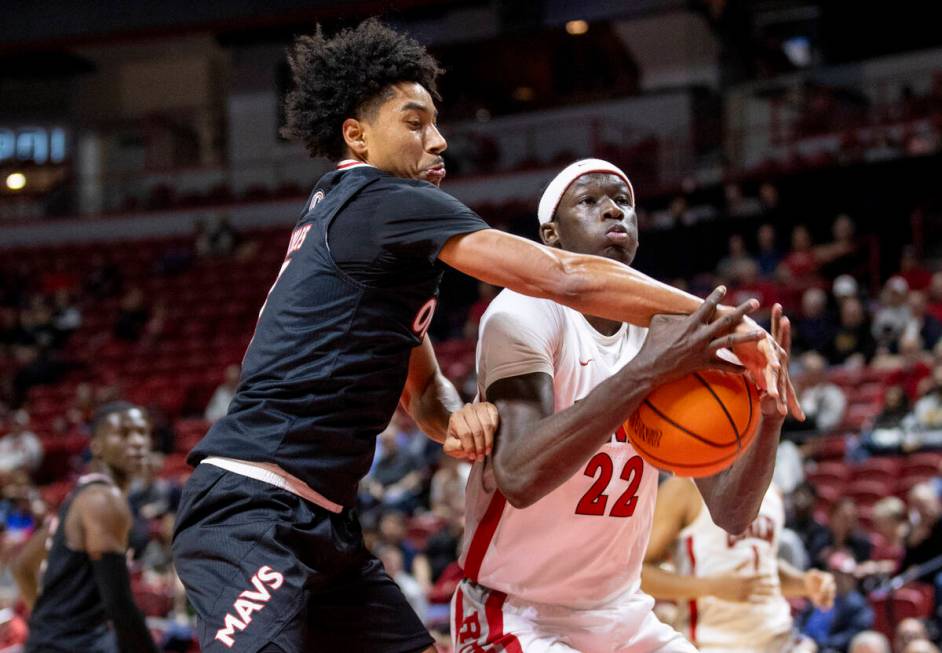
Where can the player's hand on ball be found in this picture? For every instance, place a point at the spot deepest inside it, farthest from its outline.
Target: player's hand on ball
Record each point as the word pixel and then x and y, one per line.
pixel 471 431
pixel 678 345
pixel 775 407
pixel 820 588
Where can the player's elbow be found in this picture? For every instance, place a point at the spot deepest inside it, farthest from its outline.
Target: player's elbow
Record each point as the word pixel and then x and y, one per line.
pixel 566 281
pixel 732 523
pixel 515 485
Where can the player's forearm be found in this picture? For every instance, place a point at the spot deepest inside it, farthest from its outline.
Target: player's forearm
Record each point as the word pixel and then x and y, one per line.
pixel 28 585
pixel 734 495
pixel 432 408
pixel 667 586
pixel 532 457
pixel 792 580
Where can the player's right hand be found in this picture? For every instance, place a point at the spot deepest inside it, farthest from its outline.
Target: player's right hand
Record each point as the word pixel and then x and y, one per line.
pixel 471 431
pixel 742 589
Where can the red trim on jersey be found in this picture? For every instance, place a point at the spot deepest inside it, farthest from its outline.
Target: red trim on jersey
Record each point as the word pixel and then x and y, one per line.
pixel 494 612
pixel 692 605
pixel 346 164
pixel 459 612
pixel 483 535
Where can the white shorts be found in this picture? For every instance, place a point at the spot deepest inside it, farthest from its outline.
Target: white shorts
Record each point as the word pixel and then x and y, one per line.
pixel 487 621
pixel 785 643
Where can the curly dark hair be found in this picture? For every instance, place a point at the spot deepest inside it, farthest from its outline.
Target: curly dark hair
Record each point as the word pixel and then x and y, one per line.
pixel 343 77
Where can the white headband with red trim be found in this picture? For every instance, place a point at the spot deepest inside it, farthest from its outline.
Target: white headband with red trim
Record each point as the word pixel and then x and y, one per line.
pixel 562 181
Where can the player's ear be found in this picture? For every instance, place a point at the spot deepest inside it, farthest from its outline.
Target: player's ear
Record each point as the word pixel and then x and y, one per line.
pixel 354 135
pixel 549 234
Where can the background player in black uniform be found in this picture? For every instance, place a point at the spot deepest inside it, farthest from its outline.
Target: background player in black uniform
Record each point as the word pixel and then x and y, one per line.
pixel 267 543
pixel 85 583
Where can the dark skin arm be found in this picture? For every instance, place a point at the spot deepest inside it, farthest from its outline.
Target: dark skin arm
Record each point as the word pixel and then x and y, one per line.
pixel 536 450
pixel 103 521
pixel 25 567
pixel 734 495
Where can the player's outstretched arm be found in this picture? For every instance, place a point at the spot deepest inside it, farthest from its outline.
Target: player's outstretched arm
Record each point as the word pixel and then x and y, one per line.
pixel 536 450
pixel 735 494
pixel 602 287
pixel 432 401
pixel 677 507
pixel 813 584
pixel 105 522
pixel 25 566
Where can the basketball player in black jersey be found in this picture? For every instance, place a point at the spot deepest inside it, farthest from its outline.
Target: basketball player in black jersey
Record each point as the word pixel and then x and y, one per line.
pixel 267 542
pixel 85 584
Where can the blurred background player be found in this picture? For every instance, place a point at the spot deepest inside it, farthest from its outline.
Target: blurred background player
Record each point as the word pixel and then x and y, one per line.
pixel 731 587
pixel 557 524
pixel 342 339
pixel 74 574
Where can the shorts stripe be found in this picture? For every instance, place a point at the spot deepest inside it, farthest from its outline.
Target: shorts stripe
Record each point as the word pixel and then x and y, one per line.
pixel 494 611
pixel 692 605
pixel 483 535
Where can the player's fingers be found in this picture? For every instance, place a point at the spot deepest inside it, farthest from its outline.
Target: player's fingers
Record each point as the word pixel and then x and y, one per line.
pixel 730 340
pixel 776 321
pixel 487 412
pixel 705 311
pixel 732 319
pixel 477 430
pixel 462 430
pixel 452 447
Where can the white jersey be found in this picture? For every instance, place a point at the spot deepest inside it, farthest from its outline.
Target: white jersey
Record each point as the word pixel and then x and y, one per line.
pixel 583 544
pixel 705 549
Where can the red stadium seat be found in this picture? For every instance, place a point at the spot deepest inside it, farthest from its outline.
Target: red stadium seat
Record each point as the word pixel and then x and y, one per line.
pixel 880 468
pixel 867 492
pixel 905 603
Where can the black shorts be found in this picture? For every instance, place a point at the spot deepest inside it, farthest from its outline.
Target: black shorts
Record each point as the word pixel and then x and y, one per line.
pixel 264 566
pixel 101 642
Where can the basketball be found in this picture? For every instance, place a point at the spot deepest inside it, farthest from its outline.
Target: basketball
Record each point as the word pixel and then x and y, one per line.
pixel 697 425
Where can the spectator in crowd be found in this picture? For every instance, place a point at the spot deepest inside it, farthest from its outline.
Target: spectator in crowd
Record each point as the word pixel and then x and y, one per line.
pixel 219 239
pixel 922 323
pixel 392 532
pixel 728 269
pixel 392 560
pixel 913 271
pixel 853 344
pixel 218 404
pixel 20 448
pixel 908 631
pixel 486 292
pixel 448 484
pixel 843 255
pixel 770 200
pixel 395 480
pixel 737 205
pixel 869 641
pixel 799 268
pixel 845 287
pixel 893 315
pixel 132 316
pixel 851 614
pixel 814 330
pixel 890 527
pixel 895 408
pixel 789 470
pixel 934 304
pixel 921 646
pixel 842 533
pixel 928 408
pixel 909 367
pixel 800 516
pixel 769 256
pixel 824 403
pixel 924 542
pixel 67 316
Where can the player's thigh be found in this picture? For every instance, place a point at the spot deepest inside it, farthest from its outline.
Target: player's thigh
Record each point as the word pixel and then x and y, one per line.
pixel 364 610
pixel 481 624
pixel 654 636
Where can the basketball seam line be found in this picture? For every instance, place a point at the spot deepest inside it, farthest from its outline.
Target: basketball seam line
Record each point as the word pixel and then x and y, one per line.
pixel 732 422
pixel 667 419
pixel 671 463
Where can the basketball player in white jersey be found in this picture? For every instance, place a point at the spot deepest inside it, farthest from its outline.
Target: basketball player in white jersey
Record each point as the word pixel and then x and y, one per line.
pixel 731 589
pixel 558 518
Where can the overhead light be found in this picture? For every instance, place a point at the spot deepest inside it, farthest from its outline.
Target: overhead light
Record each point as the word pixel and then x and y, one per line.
pixel 16 181
pixel 577 27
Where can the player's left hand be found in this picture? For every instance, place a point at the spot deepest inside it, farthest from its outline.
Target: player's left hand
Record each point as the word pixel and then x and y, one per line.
pixel 820 588
pixel 775 407
pixel 471 431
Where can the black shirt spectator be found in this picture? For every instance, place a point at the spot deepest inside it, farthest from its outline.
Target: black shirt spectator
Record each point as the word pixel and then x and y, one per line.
pixel 133 316
pixel 853 337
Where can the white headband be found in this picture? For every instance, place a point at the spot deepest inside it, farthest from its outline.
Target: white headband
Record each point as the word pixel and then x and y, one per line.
pixel 554 192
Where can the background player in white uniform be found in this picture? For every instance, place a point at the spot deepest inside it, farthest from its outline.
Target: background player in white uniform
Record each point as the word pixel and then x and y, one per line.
pixel 558 518
pixel 731 588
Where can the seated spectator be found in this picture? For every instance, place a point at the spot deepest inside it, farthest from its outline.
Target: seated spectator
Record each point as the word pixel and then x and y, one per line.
pixel 769 256
pixel 219 239
pixel 392 532
pixel 921 646
pixel 853 342
pixel 893 315
pixel 728 268
pixel 908 631
pixel 921 323
pixel 67 316
pixel 448 485
pixel 895 408
pixel 20 448
pixel 869 641
pixel 913 271
pixel 746 284
pixel 770 200
pixel 737 205
pixel 910 366
pixel 392 560
pixel 799 268
pixel 800 517
pixel 218 405
pixel 851 613
pixel 890 526
pixel 824 403
pixel 934 299
pixel 924 542
pixel 842 534
pixel 814 329
pixel 844 254
pixel 845 287
pixel 132 316
pixel 928 408
pixel 396 478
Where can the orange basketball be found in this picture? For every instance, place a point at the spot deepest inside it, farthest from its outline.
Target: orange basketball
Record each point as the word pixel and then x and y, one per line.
pixel 698 425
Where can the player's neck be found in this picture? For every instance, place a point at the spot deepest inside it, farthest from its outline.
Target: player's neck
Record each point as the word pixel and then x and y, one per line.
pixel 603 326
pixel 117 477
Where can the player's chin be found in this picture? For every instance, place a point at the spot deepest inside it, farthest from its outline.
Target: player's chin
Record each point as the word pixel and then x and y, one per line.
pixel 619 253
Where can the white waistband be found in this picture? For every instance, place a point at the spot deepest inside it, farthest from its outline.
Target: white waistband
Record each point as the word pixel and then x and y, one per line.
pixel 273 475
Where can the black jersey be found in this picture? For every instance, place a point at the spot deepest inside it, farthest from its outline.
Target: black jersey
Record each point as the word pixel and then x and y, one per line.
pixel 69 614
pixel 329 358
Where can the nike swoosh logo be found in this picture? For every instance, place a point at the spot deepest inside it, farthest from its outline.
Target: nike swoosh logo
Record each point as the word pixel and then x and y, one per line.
pixel 584 363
